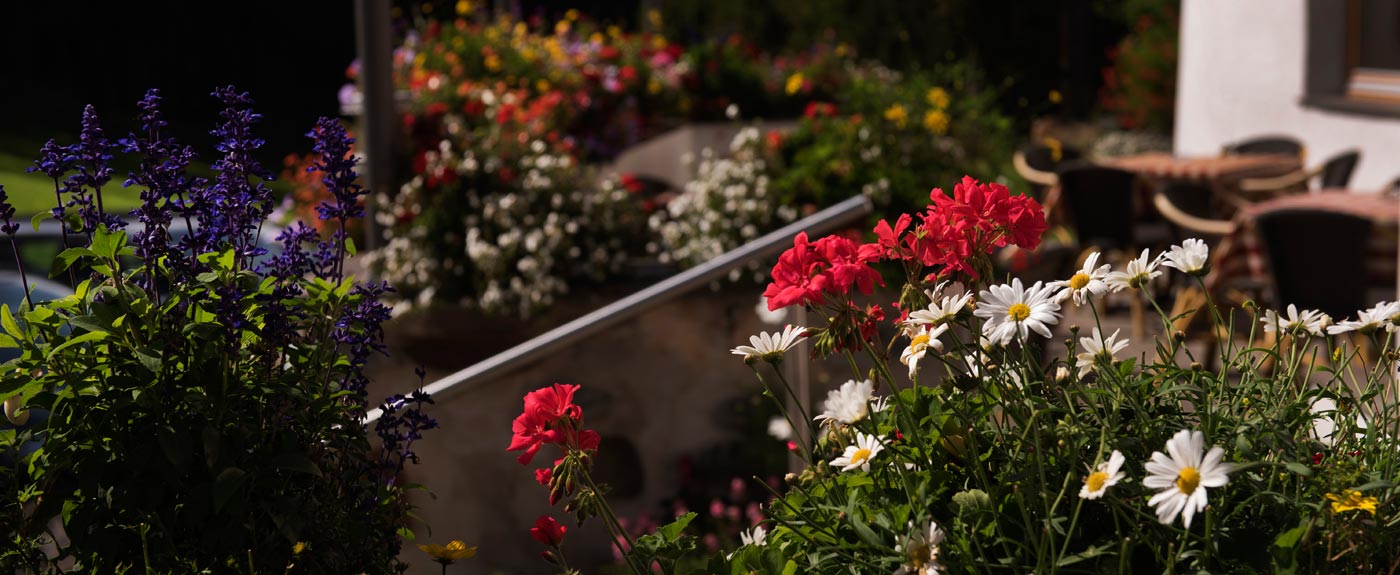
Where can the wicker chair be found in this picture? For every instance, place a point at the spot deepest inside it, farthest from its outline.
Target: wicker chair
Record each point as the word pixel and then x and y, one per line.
pixel 1334 173
pixel 1270 144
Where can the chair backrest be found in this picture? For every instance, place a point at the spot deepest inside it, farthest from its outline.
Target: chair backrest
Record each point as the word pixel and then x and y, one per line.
pixel 1042 157
pixel 1318 258
pixel 1100 202
pixel 1190 210
pixel 1272 144
pixel 1336 173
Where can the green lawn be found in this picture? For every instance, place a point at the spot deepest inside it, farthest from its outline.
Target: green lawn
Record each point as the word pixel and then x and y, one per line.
pixel 33 193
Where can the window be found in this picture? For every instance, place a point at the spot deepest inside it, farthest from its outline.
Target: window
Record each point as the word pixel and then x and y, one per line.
pixel 1373 50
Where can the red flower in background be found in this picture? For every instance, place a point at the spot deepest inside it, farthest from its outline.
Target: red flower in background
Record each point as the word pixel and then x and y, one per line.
pixel 548 531
pixel 807 272
pixel 796 277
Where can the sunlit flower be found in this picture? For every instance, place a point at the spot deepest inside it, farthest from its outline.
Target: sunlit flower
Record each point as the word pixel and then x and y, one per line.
pixel 937 97
pixel 923 339
pixel 1308 321
pixel 1098 350
pixel 1324 423
pixel 860 454
pixel 771 347
pixel 1183 477
pixel 920 551
pixel 779 428
pixel 301 546
pixel 757 536
pixel 1105 475
pixel 942 311
pixel 936 122
pixel 794 83
pixel 898 115
pixel 1055 97
pixel 1352 500
pixel 1137 274
pixel 1012 310
pixel 1086 282
pixel 849 403
pixel 1368 321
pixel 447 554
pixel 1190 257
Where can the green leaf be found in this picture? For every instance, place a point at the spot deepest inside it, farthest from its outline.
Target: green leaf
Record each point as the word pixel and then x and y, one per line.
pixel 294 461
pixel 226 485
pixel 858 481
pixel 66 258
pixel 39 217
pixel 7 319
pixel 84 338
pixel 1288 539
pixel 1298 468
pixel 350 247
pixel 672 530
pixel 89 323
pixel 790 568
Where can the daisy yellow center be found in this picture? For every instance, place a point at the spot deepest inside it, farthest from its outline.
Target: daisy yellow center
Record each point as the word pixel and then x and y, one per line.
pixel 860 456
pixel 920 555
pixel 1079 280
pixel 1096 480
pixel 1188 479
pixel 1018 312
pixel 919 340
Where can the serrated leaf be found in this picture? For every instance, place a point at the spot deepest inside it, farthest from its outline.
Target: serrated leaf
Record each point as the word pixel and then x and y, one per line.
pixel 672 530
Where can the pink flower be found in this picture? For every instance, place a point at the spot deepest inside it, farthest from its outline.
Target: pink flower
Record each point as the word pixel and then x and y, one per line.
pixel 548 531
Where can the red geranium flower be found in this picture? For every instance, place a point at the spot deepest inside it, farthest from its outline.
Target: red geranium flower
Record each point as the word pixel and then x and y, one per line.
pixel 548 531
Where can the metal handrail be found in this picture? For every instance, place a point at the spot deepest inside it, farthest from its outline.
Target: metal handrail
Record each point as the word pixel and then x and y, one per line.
pixel 545 344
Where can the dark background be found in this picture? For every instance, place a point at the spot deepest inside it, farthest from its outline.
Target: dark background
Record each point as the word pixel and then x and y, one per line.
pixel 57 56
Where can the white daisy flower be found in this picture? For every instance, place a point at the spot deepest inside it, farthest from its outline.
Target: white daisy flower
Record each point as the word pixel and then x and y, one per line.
pixel 860 454
pixel 1137 274
pixel 1085 282
pixel 1307 321
pixel 771 347
pixel 921 551
pixel 923 339
pixel 774 317
pixel 1183 477
pixel 1368 321
pixel 1106 475
pixel 1324 425
pixel 1190 257
pixel 1098 350
pixel 849 403
pixel 779 428
pixel 757 536
pixel 940 312
pixel 1011 311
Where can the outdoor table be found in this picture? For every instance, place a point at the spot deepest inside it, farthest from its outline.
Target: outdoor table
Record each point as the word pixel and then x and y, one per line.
pixel 1219 173
pixel 1240 257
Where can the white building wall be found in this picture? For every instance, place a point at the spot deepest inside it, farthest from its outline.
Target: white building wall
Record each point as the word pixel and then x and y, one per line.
pixel 1242 73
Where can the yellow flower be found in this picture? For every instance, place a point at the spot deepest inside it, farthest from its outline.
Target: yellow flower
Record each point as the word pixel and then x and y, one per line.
pixel 842 49
pixel 938 98
pixel 561 27
pixel 614 32
pixel 1352 500
pixel 493 62
pixel 446 554
pixel 571 15
pixel 298 548
pixel 936 121
pixel 794 83
pixel 658 42
pixel 427 8
pixel 654 17
pixel 653 86
pixel 898 115
pixel 519 29
pixel 1057 150
pixel 595 38
pixel 1055 97
pixel 463 7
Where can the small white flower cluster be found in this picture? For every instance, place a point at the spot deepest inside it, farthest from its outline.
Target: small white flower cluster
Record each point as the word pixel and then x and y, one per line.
pixel 1305 323
pixel 727 204
pixel 501 231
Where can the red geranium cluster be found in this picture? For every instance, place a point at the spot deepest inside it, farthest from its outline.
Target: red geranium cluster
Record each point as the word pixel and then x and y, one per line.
pixel 551 417
pixel 809 271
pixel 955 230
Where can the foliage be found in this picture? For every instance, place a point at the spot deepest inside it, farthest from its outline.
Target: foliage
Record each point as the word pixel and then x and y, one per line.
pixel 1140 85
pixel 1032 457
pixel 198 403
pixel 508 119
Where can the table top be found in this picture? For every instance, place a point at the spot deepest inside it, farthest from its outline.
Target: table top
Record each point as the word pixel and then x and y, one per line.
pixel 1204 168
pixel 1376 206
